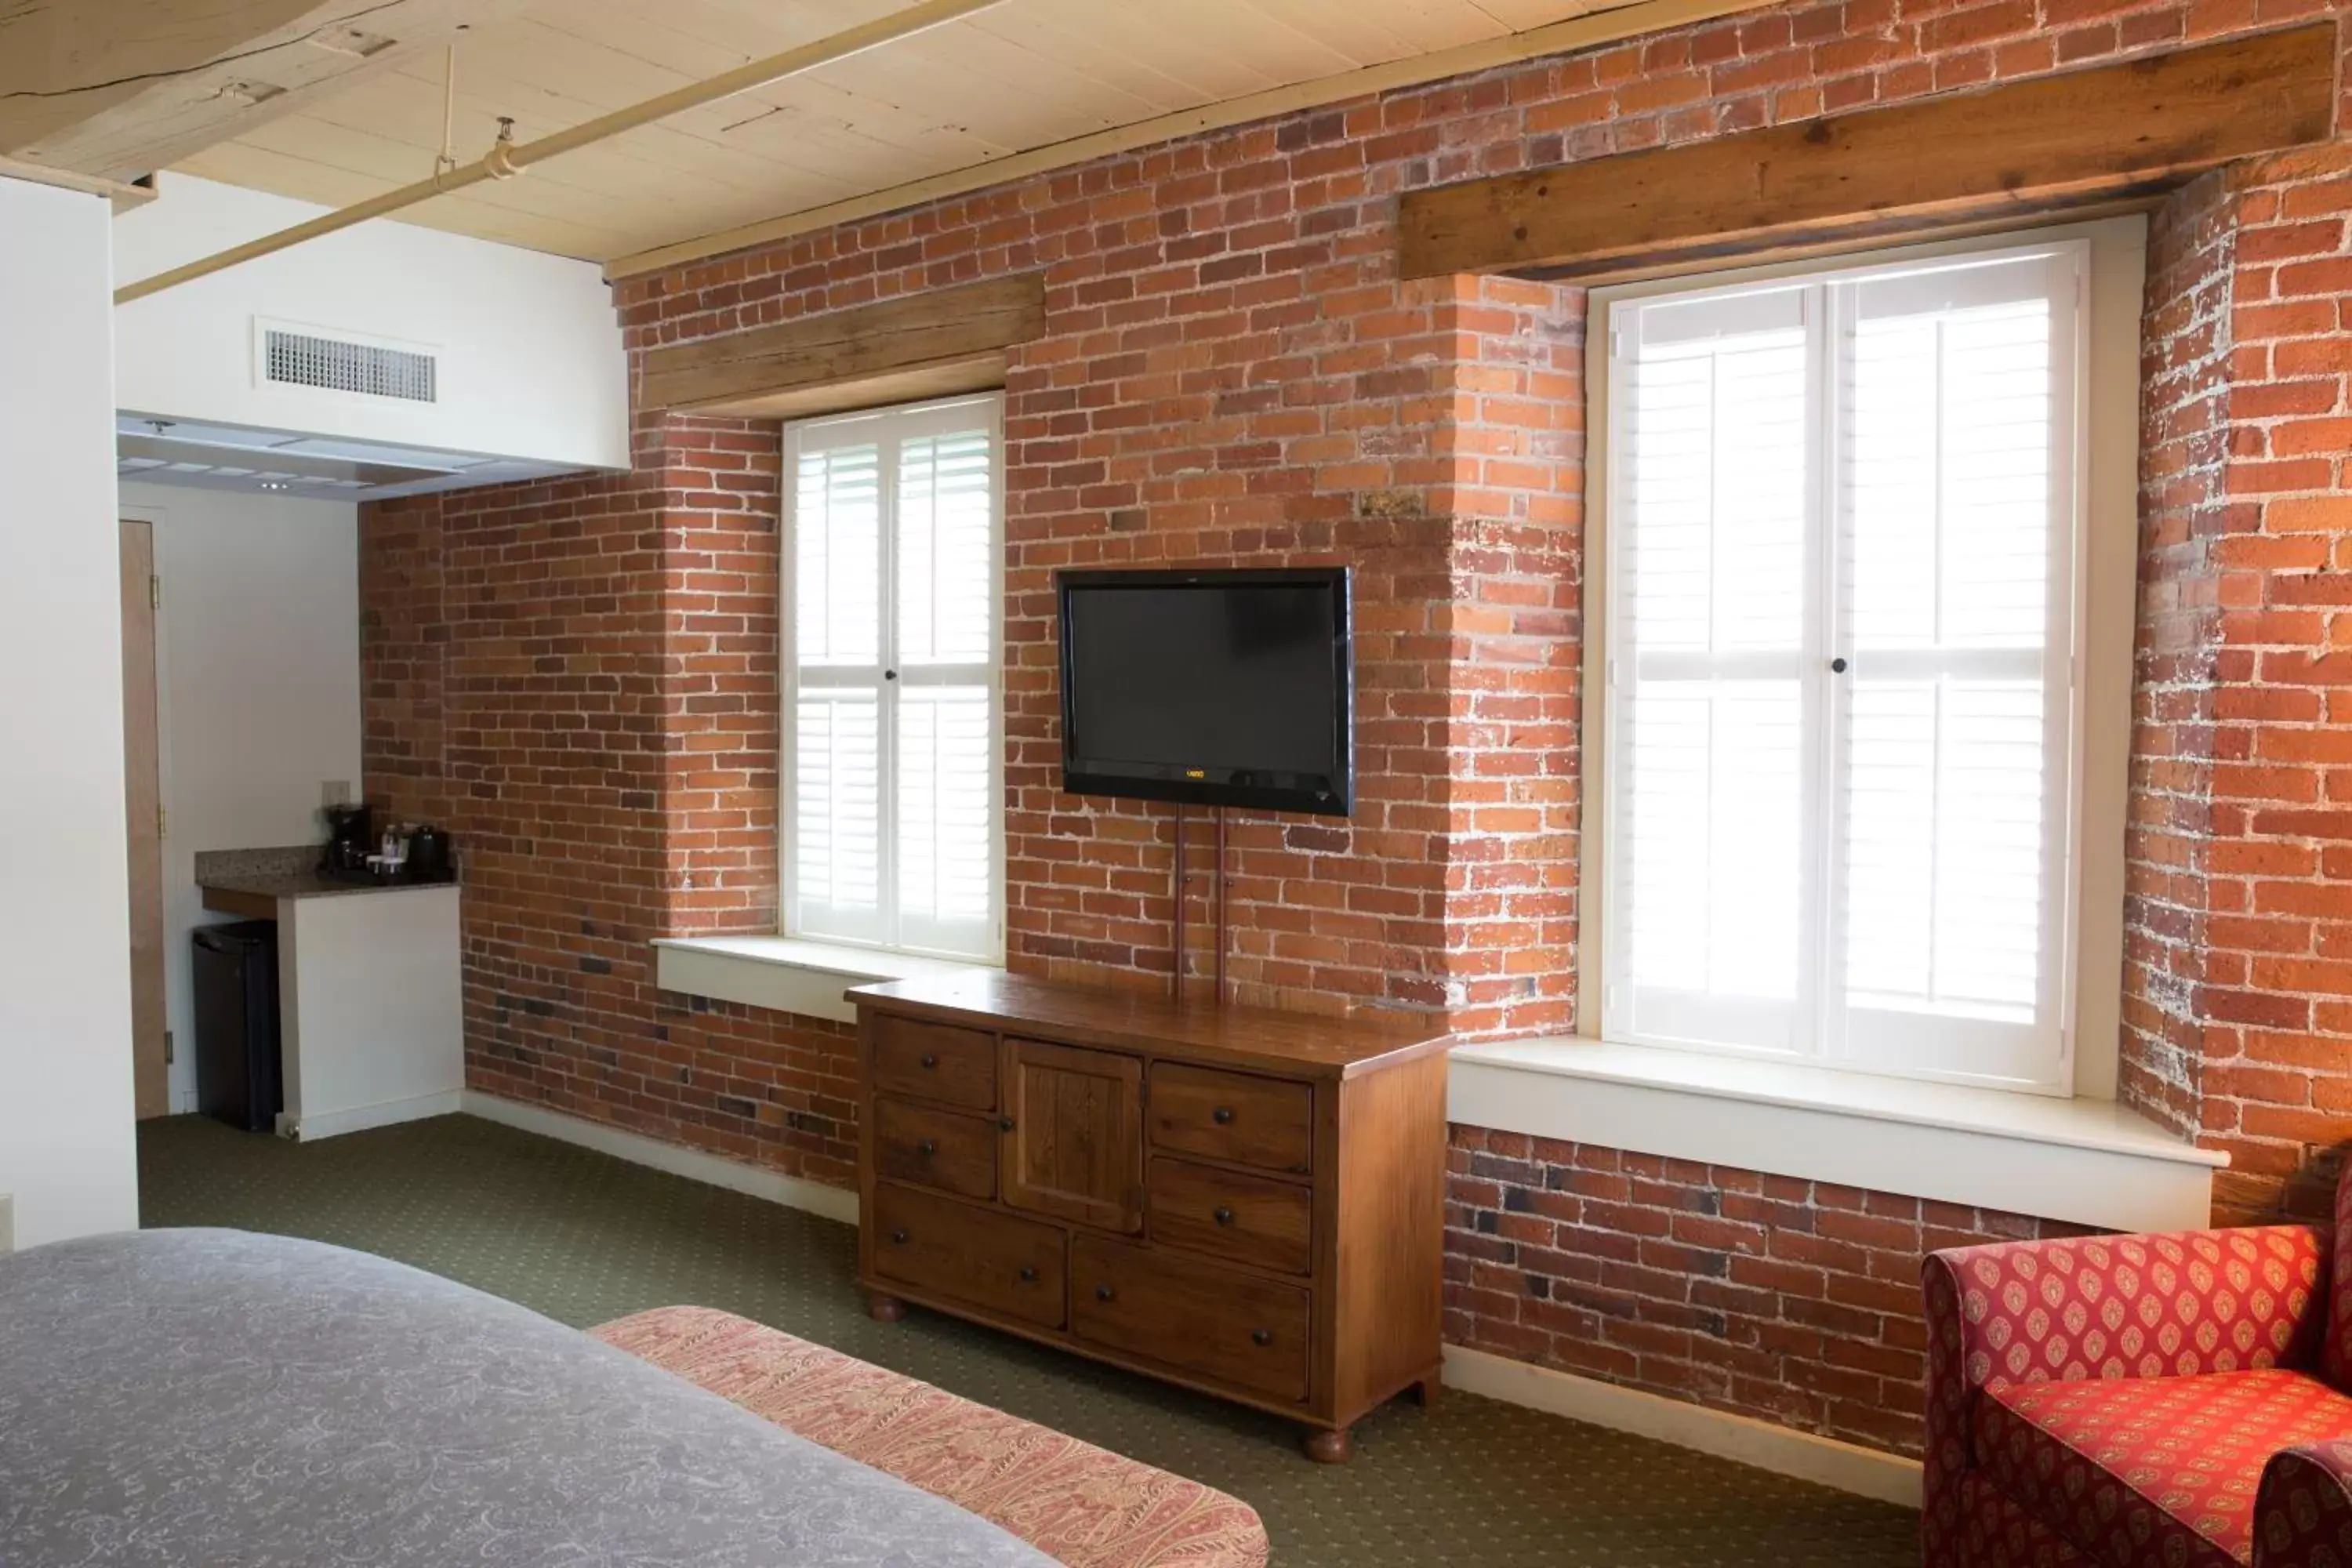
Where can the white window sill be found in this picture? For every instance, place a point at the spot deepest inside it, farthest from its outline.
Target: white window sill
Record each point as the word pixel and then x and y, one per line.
pixel 2090 1162
pixel 784 973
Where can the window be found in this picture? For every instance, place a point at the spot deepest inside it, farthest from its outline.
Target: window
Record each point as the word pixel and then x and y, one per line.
pixel 893 755
pixel 1842 636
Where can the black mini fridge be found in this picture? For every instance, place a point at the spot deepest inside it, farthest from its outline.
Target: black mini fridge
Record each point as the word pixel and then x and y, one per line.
pixel 237 1072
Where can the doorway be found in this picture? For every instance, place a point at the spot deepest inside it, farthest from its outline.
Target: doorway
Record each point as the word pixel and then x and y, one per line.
pixel 142 794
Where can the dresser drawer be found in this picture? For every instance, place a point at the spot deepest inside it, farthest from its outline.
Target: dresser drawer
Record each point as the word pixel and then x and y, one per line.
pixel 1235 1328
pixel 986 1256
pixel 1231 1214
pixel 935 1148
pixel 1263 1121
pixel 932 1061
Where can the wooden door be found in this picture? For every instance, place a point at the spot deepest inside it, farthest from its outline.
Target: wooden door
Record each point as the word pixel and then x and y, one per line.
pixel 1073 1129
pixel 142 796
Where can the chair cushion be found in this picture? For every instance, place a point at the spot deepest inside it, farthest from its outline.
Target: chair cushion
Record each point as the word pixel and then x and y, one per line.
pixel 1079 1504
pixel 2151 1469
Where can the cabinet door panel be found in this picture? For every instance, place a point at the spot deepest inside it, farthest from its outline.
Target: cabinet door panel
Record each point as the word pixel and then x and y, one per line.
pixel 1073 1135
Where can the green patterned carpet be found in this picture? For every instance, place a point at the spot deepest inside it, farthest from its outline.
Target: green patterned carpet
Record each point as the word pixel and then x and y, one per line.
pixel 585 1239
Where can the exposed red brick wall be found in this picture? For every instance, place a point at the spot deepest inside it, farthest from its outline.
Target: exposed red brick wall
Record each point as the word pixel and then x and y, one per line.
pixel 2184 449
pixel 581 676
pixel 2276 1071
pixel 1788 1300
pixel 578 679
pixel 722 691
pixel 1515 619
pixel 404 645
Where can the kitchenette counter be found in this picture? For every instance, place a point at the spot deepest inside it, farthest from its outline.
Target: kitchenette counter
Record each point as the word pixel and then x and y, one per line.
pixel 370 997
pixel 239 881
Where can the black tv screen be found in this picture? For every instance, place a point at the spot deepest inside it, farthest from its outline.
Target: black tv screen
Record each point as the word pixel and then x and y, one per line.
pixel 1217 688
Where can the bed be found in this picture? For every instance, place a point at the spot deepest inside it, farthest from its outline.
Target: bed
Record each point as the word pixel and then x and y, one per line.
pixel 211 1396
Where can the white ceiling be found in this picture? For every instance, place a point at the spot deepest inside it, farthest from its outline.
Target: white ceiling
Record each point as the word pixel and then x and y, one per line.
pixel 283 462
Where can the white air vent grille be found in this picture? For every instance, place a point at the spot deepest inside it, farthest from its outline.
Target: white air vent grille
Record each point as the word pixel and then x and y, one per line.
pixel 304 359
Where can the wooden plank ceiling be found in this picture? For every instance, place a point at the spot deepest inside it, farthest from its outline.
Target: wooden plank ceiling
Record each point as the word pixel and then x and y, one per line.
pixel 1026 75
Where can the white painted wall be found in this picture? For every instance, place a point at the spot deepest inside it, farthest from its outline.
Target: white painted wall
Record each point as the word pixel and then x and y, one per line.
pixel 529 348
pixel 258 676
pixel 371 1009
pixel 67 1153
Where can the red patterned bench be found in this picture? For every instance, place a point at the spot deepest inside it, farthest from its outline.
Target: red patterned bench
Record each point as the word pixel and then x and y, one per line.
pixel 1079 1504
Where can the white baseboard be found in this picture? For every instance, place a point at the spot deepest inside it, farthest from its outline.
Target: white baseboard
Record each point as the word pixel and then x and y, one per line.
pixel 331 1123
pixel 714 1170
pixel 1848 1466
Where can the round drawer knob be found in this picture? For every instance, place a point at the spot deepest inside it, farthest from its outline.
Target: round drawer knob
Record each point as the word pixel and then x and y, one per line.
pixel 1261 1336
pixel 1005 1122
pixel 1027 1273
pixel 1105 1293
pixel 930 1059
pixel 926 1147
pixel 1223 1114
pixel 1224 1216
pixel 900 1236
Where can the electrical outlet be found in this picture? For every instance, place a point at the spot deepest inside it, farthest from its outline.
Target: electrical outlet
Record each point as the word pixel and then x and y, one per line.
pixel 335 792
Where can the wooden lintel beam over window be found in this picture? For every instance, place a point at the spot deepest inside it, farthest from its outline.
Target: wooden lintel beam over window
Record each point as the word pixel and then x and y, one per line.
pixel 2052 142
pixel 932 344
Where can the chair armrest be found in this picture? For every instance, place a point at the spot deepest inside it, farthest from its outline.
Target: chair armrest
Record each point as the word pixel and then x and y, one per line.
pixel 2303 1514
pixel 2169 1305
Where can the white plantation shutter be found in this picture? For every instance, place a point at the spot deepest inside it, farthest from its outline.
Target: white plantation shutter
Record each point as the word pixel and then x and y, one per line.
pixel 1957 481
pixel 1840 640
pixel 947 543
pixel 946 814
pixel 836 796
pixel 837 557
pixel 1710 753
pixel 893 744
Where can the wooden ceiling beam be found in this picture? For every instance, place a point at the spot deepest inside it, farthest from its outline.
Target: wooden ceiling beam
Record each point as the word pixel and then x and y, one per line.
pixel 930 345
pixel 118 88
pixel 2101 134
pixel 123 198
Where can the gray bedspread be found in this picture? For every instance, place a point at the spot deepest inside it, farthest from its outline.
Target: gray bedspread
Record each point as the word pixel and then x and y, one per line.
pixel 210 1397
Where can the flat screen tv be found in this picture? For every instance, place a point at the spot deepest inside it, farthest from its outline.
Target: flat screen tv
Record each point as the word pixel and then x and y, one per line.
pixel 1229 688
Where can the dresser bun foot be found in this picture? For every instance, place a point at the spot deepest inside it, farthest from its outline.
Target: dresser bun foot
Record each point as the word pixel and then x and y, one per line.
pixel 1425 1392
pixel 1328 1447
pixel 884 1309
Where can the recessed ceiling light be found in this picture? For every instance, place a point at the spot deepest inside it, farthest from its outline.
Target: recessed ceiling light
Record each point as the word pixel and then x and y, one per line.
pixel 273 484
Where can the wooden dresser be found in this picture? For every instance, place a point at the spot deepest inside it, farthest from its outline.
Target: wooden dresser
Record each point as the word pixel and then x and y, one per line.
pixel 1248 1203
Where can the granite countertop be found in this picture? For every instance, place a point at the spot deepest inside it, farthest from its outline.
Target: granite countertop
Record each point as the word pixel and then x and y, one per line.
pixel 288 872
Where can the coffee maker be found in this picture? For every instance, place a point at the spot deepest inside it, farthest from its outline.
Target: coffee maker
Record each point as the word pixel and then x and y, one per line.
pixel 428 856
pixel 349 839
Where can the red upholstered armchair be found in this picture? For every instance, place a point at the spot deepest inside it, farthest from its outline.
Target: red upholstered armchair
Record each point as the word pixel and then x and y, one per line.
pixel 2123 1400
